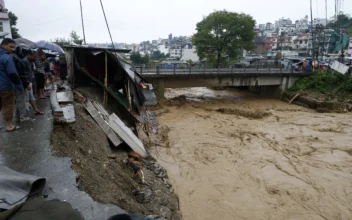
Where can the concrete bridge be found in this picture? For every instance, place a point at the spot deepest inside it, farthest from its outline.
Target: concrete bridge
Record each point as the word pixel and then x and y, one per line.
pixel 266 81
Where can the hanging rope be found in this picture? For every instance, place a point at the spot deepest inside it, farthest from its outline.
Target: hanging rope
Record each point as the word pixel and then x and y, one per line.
pixel 102 7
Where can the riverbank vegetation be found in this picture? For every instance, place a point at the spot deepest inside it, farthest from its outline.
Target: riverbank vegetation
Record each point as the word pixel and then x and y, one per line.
pixel 326 82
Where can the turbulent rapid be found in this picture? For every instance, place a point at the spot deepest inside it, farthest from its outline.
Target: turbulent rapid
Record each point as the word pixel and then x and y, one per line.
pixel 233 155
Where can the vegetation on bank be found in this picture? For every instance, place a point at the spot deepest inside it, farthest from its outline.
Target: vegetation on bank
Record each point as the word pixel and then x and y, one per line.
pixel 327 82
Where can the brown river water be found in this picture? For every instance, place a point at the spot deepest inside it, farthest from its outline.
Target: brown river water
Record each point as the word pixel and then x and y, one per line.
pixel 233 155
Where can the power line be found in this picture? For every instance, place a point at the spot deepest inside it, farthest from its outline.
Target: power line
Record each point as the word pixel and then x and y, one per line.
pixel 106 21
pixel 84 34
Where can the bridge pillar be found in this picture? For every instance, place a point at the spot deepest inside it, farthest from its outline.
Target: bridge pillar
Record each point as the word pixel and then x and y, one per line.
pixel 160 89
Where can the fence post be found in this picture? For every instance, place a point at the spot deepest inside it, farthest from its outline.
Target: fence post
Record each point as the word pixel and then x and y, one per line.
pixel 140 69
pixel 174 69
pixel 231 69
pixel 189 69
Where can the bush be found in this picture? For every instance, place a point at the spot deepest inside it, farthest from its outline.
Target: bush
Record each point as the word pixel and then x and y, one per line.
pixel 325 81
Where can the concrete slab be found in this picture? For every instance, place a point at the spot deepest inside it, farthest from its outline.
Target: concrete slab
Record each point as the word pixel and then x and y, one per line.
pixel 64 97
pixel 115 140
pixel 126 134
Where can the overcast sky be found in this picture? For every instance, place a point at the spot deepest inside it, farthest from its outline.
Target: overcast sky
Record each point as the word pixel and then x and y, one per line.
pixel 132 21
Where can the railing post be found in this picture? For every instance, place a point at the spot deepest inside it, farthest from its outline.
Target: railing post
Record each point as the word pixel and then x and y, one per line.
pixel 140 70
pixel 231 69
pixel 174 69
pixel 189 69
pixel 158 71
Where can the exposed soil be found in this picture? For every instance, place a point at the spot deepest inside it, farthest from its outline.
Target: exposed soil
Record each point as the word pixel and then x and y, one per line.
pixel 325 103
pixel 293 163
pixel 110 180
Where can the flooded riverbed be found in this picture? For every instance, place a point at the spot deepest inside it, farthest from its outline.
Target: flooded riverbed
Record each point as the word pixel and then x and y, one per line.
pixel 234 155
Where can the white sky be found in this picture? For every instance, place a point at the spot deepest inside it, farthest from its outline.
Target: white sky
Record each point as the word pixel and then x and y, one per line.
pixel 133 21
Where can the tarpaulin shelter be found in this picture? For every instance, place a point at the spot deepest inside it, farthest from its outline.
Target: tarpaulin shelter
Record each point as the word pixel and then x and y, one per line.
pixel 109 70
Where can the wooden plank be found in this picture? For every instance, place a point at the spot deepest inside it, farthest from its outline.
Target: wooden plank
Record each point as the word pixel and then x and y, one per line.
pixel 126 134
pixel 115 140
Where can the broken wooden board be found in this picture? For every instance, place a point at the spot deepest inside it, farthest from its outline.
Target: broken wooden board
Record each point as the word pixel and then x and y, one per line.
pixel 115 140
pixel 65 97
pixel 126 134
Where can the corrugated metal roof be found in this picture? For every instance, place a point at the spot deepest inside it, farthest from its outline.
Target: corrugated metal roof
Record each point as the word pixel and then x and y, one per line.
pixel 98 48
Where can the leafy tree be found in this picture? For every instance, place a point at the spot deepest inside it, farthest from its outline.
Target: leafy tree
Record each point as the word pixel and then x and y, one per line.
pixel 61 41
pixel 75 38
pixel 136 58
pixel 222 35
pixel 13 22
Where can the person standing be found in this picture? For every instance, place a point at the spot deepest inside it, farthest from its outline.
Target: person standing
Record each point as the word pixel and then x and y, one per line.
pixel 39 74
pixel 9 80
pixel 22 115
pixel 29 64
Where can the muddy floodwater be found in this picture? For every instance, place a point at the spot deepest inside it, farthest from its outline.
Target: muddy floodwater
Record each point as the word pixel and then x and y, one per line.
pixel 233 155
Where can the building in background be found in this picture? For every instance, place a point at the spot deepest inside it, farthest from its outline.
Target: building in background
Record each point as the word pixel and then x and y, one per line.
pixel 4 20
pixel 349 51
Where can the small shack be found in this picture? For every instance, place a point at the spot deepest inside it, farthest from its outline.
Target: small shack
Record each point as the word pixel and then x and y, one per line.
pixel 123 88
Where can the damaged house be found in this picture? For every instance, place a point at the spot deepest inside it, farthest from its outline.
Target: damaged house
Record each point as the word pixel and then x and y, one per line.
pixel 125 91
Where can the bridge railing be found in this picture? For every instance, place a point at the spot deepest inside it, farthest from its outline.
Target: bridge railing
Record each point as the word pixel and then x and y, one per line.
pixel 217 71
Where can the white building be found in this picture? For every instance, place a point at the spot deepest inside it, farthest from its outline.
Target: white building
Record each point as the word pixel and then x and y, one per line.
pixel 283 22
pixel 175 53
pixel 350 48
pixel 4 20
pixel 163 49
pixel 269 26
pixel 261 26
pixel 320 21
pixel 190 54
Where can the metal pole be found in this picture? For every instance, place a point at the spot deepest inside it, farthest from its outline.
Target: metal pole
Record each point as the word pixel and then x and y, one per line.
pixel 107 24
pixel 311 23
pixel 106 81
pixel 84 34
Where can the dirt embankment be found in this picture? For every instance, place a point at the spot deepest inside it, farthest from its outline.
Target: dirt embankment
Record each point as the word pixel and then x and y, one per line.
pixel 289 162
pixel 325 102
pixel 110 180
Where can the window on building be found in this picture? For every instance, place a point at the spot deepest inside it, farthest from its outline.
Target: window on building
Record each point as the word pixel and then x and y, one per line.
pixel 1 27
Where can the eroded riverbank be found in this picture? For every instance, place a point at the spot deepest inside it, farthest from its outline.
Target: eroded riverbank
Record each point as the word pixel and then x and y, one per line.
pixel 233 155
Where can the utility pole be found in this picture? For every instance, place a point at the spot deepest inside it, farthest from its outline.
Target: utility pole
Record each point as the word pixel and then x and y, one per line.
pixel 84 34
pixel 311 23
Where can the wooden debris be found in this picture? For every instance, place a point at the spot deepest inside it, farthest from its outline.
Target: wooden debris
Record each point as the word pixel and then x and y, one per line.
pixel 295 97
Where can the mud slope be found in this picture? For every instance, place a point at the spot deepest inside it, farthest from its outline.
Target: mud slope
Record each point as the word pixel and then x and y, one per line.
pixel 109 180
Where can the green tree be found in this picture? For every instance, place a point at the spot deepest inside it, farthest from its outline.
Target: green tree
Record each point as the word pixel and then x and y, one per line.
pixel 222 35
pixel 13 22
pixel 61 41
pixel 75 38
pixel 136 58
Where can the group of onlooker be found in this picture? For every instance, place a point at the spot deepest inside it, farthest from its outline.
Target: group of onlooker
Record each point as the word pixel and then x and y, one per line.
pixel 23 74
